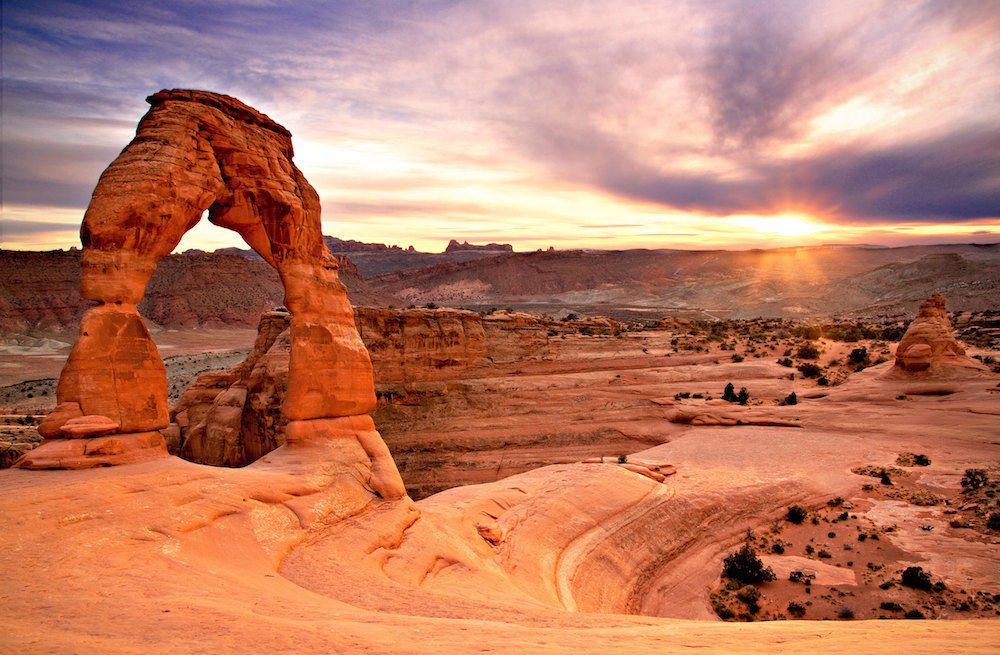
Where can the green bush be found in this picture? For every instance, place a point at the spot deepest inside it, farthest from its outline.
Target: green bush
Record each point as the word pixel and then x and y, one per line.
pixel 916 578
pixel 810 370
pixel 974 478
pixel 729 394
pixel 745 566
pixel 858 356
pixel 796 514
pixel 807 351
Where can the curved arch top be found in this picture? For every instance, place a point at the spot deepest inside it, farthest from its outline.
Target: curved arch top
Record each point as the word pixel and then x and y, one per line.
pixel 195 151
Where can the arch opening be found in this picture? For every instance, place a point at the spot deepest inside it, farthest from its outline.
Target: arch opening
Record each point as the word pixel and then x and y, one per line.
pixel 197 151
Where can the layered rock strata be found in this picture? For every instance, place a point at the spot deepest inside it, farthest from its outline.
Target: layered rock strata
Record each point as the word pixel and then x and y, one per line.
pixel 929 343
pixel 231 418
pixel 196 151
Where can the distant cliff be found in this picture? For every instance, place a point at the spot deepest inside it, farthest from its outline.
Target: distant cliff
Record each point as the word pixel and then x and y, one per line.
pixel 465 246
pixel 40 291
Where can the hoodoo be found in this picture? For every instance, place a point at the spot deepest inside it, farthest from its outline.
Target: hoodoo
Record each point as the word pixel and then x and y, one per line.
pixel 196 151
pixel 929 343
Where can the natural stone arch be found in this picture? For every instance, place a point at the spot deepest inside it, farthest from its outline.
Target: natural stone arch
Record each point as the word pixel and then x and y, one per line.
pixel 196 151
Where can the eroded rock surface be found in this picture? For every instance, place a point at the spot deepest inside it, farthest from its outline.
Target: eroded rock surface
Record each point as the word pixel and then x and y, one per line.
pixel 196 151
pixel 929 343
pixel 231 418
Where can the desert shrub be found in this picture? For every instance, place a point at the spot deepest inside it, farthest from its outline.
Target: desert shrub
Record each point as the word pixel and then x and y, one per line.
pixel 797 610
pixel 796 576
pixel 993 522
pixel 744 566
pixel 749 596
pixel 737 357
pixel 430 305
pixel 845 613
pixel 890 606
pixel 916 578
pixel 790 399
pixel 824 554
pixel 743 397
pixel 858 356
pixel 807 351
pixel 623 459
pixel 823 381
pixel 777 548
pixel 913 459
pixel 914 614
pixel 723 611
pixel 974 478
pixel 796 514
pixel 572 317
pixel 786 362
pixel 729 394
pixel 810 370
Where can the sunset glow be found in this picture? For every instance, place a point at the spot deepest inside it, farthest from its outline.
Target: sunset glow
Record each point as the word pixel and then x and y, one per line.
pixel 784 226
pixel 569 123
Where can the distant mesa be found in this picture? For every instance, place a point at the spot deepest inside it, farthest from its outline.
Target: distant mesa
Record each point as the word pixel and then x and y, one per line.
pixel 350 245
pixel 465 246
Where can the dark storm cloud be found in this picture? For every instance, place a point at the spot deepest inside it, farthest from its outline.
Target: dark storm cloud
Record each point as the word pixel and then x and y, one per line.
pixel 758 76
pixel 762 73
pixel 953 178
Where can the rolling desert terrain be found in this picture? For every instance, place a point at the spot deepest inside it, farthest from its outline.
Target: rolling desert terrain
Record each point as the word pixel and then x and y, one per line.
pixel 791 451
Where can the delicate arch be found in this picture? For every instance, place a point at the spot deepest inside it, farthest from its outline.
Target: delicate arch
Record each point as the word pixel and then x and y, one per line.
pixel 196 151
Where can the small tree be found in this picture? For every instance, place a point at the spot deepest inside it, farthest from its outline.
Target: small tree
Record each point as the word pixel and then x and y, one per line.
pixel 745 566
pixel 790 399
pixel 743 397
pixel 729 394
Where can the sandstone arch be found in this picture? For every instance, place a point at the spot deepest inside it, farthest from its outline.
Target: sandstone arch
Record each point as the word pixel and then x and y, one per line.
pixel 196 151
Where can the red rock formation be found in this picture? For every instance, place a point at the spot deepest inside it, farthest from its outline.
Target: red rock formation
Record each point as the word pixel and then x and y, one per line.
pixel 231 418
pixel 196 151
pixel 455 246
pixel 929 344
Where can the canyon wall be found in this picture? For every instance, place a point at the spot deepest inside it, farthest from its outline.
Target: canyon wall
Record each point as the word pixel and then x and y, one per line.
pixel 233 417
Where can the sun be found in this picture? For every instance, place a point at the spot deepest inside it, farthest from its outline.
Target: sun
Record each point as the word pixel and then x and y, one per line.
pixel 784 225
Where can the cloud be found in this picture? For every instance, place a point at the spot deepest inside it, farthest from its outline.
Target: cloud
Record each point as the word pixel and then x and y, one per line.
pixel 860 112
pixel 954 178
pixel 33 228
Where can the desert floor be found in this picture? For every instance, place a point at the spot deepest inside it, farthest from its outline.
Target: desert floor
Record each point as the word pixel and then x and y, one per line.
pixel 290 555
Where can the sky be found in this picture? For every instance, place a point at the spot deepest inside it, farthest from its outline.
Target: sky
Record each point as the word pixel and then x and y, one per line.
pixel 565 123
